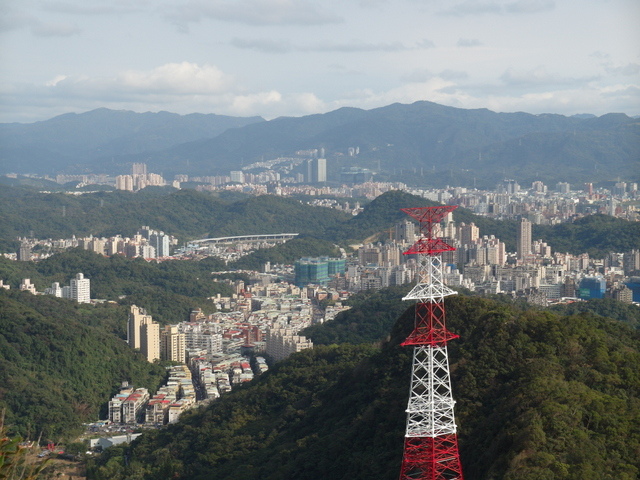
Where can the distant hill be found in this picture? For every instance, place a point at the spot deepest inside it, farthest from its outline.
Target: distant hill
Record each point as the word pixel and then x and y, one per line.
pixel 188 214
pixel 422 143
pixel 98 140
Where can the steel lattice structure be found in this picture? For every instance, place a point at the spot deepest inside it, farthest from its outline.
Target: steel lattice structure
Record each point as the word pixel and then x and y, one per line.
pixel 431 442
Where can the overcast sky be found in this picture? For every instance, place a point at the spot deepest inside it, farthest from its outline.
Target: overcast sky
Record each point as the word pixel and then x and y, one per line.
pixel 297 57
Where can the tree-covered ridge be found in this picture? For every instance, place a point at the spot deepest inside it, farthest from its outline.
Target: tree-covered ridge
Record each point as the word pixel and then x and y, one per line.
pixel 188 214
pixel 168 290
pixel 61 361
pixel 595 234
pixel 539 396
pixel 370 319
pixel 287 253
pixel 545 396
pixel 605 307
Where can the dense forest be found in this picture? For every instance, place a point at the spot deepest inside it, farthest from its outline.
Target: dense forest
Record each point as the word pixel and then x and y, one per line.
pixel 539 396
pixel 188 214
pixel 60 362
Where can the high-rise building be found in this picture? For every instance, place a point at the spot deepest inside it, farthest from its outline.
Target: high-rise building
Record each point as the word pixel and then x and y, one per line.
pixel 237 176
pixel 172 344
pixel 80 289
pixel 150 341
pixel 469 233
pixel 592 287
pixel 137 317
pixel 631 261
pixel 139 169
pixel 538 187
pixel 406 232
pixel 588 188
pixel 510 186
pixel 317 270
pixel 321 170
pixel 524 239
pixel 282 342
pixel 143 333
pixel 55 290
pixel 619 189
pixel 124 182
pixel 160 242
pixel 316 170
pixel 24 253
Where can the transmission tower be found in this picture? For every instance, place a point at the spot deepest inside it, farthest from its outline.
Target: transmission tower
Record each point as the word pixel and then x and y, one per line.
pixel 431 442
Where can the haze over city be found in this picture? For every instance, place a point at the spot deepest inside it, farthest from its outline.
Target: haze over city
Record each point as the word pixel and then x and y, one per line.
pixel 297 57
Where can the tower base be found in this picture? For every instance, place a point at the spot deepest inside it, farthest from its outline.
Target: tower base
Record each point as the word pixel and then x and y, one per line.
pixel 431 458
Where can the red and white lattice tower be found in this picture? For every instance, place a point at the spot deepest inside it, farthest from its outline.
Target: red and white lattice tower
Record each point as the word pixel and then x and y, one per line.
pixel 431 442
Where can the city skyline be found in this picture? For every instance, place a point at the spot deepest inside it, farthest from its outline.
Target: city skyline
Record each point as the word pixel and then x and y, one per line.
pixel 295 57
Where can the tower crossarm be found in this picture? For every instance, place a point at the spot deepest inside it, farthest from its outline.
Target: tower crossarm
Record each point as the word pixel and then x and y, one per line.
pixel 429 216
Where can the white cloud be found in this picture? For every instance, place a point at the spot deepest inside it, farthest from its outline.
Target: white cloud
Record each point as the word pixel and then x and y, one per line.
pixel 178 87
pixel 177 78
pixel 56 80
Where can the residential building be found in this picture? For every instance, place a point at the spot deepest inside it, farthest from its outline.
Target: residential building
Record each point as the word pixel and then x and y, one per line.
pixel 172 344
pixel 150 341
pixel 80 289
pixel 524 239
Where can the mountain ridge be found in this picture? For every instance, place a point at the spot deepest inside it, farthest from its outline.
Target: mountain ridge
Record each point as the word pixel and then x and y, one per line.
pixel 453 144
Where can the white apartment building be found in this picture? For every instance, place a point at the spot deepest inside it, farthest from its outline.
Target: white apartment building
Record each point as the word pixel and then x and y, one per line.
pixel 80 289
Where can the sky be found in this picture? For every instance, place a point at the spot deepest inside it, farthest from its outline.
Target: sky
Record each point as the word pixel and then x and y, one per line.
pixel 298 57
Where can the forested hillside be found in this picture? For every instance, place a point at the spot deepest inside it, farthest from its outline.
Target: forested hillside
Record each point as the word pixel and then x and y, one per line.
pixel 539 396
pixel 287 253
pixel 169 290
pixel 188 214
pixel 60 362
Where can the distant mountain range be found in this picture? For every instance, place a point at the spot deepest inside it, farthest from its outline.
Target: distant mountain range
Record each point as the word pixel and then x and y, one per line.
pixel 422 143
pixel 97 140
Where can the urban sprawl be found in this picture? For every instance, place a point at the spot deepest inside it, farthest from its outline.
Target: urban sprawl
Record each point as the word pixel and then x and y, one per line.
pixel 264 316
